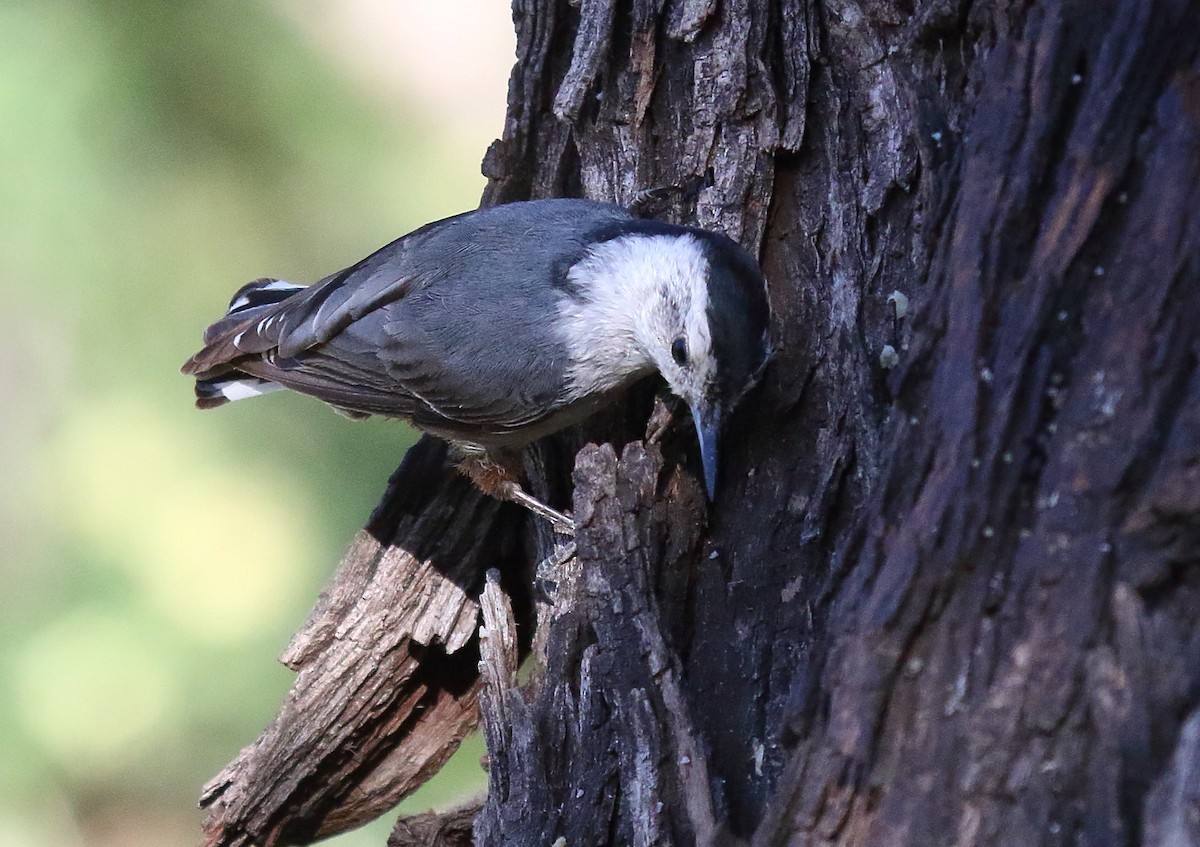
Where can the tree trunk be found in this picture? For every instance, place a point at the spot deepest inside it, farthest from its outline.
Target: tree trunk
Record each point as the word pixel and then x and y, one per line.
pixel 949 592
pixel 956 601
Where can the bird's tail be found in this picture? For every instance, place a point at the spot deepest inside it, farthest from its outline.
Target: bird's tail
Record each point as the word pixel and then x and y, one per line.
pixel 218 378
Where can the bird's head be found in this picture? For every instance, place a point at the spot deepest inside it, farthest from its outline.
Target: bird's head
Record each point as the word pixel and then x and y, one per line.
pixel 686 302
pixel 710 334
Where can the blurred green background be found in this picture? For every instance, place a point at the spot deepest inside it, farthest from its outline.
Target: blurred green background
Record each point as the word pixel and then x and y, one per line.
pixel 154 560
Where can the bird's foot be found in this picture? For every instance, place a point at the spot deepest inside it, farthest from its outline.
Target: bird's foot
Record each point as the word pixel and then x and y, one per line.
pixel 562 554
pixel 499 479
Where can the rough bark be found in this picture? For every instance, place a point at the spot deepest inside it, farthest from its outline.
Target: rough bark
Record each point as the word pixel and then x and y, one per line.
pixel 949 592
pixel 386 667
pixel 951 602
pixel 610 677
pixel 449 829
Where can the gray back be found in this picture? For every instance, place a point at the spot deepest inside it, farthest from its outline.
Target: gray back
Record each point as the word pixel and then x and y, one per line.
pixel 455 316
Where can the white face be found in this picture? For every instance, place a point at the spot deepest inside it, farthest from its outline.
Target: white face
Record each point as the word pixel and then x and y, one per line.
pixel 644 295
pixel 678 336
pixel 640 302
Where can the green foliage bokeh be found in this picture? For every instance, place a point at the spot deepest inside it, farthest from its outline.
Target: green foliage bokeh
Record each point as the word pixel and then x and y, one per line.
pixel 154 560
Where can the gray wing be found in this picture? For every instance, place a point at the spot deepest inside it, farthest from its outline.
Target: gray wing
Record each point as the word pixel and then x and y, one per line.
pixel 448 326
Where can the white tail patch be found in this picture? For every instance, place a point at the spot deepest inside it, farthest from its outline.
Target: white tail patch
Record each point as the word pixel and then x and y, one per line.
pixel 240 389
pixel 261 292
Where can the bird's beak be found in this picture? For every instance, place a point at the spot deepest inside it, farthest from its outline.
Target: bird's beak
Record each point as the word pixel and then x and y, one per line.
pixel 707 417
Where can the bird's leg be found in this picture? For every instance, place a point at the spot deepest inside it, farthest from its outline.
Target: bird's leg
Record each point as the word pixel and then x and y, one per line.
pixel 497 479
pixel 510 490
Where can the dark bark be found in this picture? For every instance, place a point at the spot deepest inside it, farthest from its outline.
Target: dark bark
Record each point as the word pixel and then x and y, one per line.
pixel 956 601
pixel 950 591
pixel 451 829
pixel 609 677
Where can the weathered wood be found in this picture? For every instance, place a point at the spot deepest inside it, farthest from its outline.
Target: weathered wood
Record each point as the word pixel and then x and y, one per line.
pixel 1173 805
pixel 984 678
pixel 386 667
pixel 445 829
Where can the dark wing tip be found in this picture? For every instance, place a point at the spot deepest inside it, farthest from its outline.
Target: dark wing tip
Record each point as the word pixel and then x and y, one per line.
pixel 207 363
pixel 191 367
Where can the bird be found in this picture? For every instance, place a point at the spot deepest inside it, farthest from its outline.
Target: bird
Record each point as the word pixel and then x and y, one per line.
pixel 496 327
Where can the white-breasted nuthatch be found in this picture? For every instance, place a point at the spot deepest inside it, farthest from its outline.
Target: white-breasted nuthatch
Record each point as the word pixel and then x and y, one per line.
pixel 496 327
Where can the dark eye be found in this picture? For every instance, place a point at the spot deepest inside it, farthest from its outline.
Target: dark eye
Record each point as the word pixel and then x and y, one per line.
pixel 679 351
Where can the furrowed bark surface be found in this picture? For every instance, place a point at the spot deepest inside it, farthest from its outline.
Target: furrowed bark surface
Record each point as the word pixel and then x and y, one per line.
pixel 949 592
pixel 610 676
pixel 953 601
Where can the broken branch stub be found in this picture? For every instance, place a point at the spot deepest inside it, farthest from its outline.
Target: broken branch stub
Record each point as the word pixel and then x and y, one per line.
pixel 386 666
